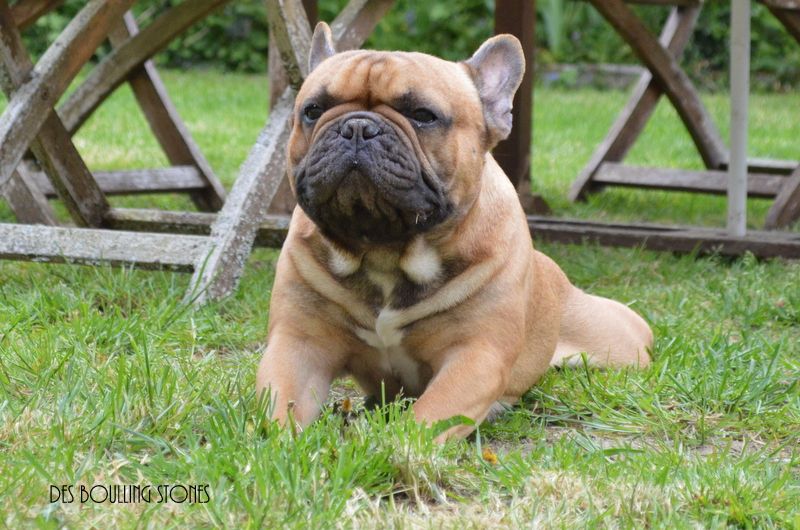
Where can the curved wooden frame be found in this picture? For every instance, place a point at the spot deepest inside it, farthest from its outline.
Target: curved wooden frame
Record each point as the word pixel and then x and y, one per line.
pixel 665 76
pixel 234 230
pixel 631 121
pixel 115 68
pixel 37 90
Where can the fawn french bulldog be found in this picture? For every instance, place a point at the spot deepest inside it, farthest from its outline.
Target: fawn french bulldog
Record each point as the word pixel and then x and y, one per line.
pixel 409 262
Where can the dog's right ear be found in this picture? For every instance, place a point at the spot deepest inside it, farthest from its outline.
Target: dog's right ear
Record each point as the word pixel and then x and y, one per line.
pixel 321 46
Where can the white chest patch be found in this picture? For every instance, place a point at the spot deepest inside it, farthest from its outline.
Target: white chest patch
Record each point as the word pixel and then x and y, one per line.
pixel 343 263
pixel 387 339
pixel 394 359
pixel 420 262
pixel 387 332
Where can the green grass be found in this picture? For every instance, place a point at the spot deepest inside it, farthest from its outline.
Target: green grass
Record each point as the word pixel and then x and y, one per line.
pixel 105 378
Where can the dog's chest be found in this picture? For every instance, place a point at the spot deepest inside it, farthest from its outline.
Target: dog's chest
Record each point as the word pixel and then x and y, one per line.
pixel 396 282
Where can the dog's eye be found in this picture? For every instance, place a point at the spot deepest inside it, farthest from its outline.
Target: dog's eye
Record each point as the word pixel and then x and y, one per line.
pixel 312 112
pixel 422 116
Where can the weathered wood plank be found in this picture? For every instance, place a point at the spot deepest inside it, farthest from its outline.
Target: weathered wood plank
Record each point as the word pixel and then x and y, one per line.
pixel 33 100
pixel 275 70
pixel 291 33
pixel 655 237
pixel 271 232
pixel 114 68
pixel 174 179
pixel 670 76
pixel 666 238
pixel 93 247
pixel 790 20
pixel 518 17
pixel 670 3
pixel 782 4
pixel 768 165
pixel 52 146
pixel 786 208
pixel 640 106
pixel 234 230
pixel 26 200
pixel 708 181
pixel 166 124
pixel 356 21
pixel 26 12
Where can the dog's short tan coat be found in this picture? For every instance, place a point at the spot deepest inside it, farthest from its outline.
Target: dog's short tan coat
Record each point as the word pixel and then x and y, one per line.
pixel 463 316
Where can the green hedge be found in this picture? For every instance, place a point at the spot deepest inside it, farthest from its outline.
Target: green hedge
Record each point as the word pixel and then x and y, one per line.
pixel 235 36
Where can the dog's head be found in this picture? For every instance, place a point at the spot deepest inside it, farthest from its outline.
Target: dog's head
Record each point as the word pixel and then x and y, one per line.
pixel 388 145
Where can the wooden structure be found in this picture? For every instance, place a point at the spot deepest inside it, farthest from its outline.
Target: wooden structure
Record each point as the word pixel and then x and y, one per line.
pixel 664 76
pixel 30 122
pixel 58 170
pixel 215 246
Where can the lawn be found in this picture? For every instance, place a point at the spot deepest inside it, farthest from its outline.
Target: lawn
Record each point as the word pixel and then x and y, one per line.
pixel 106 378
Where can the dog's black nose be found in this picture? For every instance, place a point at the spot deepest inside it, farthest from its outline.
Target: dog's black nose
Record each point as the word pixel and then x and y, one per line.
pixel 363 128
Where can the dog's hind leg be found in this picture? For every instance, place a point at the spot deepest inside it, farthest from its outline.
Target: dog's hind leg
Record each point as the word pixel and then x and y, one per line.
pixel 606 331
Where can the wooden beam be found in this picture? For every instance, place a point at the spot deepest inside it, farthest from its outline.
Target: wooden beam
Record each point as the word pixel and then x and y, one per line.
pixel 655 237
pixel 640 106
pixel 666 238
pixel 271 232
pixel 708 181
pixel 356 21
pixel 666 3
pixel 27 12
pixel 234 230
pixel 670 76
pixel 518 17
pixel 291 33
pixel 115 67
pixel 33 100
pixel 174 179
pixel 93 247
pixel 275 69
pixel 166 124
pixel 52 145
pixel 792 5
pixel 789 18
pixel 182 252
pixel 768 165
pixel 681 3
pixel 26 200
pixel 786 208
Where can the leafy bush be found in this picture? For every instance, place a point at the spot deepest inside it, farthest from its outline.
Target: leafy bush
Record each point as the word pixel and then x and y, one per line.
pixel 235 36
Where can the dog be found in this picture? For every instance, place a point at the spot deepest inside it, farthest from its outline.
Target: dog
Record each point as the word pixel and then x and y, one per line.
pixel 408 263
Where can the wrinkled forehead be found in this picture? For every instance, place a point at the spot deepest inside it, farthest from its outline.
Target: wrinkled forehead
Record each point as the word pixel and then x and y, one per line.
pixel 372 78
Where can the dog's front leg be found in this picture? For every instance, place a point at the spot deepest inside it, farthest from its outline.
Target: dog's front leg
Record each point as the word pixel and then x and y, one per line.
pixel 297 371
pixel 471 378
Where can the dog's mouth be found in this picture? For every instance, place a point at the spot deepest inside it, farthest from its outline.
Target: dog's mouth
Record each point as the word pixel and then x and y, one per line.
pixel 361 182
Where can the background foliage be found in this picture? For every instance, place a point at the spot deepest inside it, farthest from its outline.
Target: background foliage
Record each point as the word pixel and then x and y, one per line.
pixel 235 37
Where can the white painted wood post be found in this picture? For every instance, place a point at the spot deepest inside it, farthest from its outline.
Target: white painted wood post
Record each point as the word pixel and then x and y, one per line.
pixel 740 91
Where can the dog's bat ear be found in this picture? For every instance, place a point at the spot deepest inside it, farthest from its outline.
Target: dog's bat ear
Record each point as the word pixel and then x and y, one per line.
pixel 321 46
pixel 497 69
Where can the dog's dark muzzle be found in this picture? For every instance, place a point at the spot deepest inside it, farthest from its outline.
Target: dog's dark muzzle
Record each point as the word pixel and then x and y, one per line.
pixel 362 181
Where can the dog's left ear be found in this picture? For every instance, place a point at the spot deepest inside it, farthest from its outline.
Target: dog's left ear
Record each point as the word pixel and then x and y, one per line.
pixel 321 46
pixel 497 69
